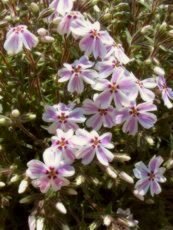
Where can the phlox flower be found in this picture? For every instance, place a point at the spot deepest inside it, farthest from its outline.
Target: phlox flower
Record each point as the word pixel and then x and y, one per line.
pixel 70 21
pixel 77 73
pixel 63 143
pixel 116 89
pixel 134 114
pixel 167 92
pixel 117 51
pixel 100 116
pixel 63 117
pixel 107 66
pixel 51 173
pixel 91 144
pixel 61 6
pixel 149 177
pixel 94 40
pixel 19 37
pixel 143 88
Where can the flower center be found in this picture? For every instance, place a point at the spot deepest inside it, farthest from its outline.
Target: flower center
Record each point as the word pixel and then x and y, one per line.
pixel 113 87
pixel 51 173
pixel 139 83
pixel 115 63
pixel 18 29
pixel 94 34
pixel 164 86
pixel 76 69
pixel 62 118
pixel 95 142
pixel 102 111
pixel 133 111
pixel 151 175
pixel 62 143
pixel 73 15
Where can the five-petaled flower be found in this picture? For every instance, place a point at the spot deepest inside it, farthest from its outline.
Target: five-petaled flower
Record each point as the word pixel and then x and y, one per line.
pixel 117 89
pixel 51 173
pixel 133 114
pixel 77 73
pixel 167 92
pixel 63 117
pixel 149 177
pixel 101 116
pixel 63 142
pixel 19 37
pixel 91 144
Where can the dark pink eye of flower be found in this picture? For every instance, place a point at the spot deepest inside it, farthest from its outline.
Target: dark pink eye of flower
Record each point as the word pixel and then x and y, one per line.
pixel 139 83
pixel 18 29
pixel 115 63
pixel 94 34
pixel 151 175
pixel 51 173
pixel 113 87
pixel 62 118
pixel 164 86
pixel 133 111
pixel 62 143
pixel 76 69
pixel 95 142
pixel 102 111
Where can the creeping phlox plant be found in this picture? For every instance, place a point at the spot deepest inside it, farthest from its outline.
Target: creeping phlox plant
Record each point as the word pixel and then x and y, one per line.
pixel 103 101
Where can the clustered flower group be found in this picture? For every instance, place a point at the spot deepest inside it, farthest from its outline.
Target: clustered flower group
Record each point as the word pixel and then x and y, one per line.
pixel 119 98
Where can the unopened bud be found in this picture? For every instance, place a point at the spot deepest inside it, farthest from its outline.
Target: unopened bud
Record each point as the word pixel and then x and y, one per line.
pixel 23 186
pixel 65 227
pixel 80 180
pixel 30 116
pixel 47 39
pixel 15 113
pixel 149 140
pixel 137 195
pixel 46 12
pixel 124 176
pixel 96 9
pixel 72 192
pixel 145 29
pixel 32 222
pixel 5 1
pixel 60 207
pixel 111 172
pixel 40 223
pixel 42 31
pixel 122 157
pixel 159 71
pixel 14 179
pixel 34 7
pixel 169 164
pixel 107 220
pixel 2 184
pixel 4 121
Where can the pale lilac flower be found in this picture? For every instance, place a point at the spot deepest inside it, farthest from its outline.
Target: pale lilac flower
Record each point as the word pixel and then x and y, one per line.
pixel 167 92
pixel 63 117
pixel 107 66
pixel 142 88
pixel 70 21
pixel 101 116
pixel 116 89
pixel 134 114
pixel 149 177
pixel 117 51
pixel 78 73
pixel 19 37
pixel 63 142
pixel 61 6
pixel 51 173
pixel 94 39
pixel 91 144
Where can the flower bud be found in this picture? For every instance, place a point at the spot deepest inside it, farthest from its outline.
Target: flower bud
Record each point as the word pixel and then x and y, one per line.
pixel 61 208
pixel 65 227
pixel 4 121
pixel 5 1
pixel 80 180
pixel 30 116
pixel 34 7
pixel 42 31
pixel 47 39
pixel 145 29
pixel 124 176
pixel 159 71
pixel 15 113
pixel 111 172
pixel 149 140
pixel 2 184
pixel 137 195
pixel 31 222
pixel 40 223
pixel 22 186
pixel 122 157
pixel 46 12
pixel 107 220
pixel 14 179
pixel 72 192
